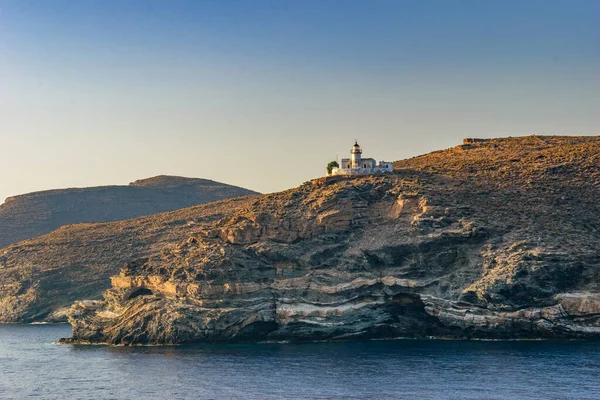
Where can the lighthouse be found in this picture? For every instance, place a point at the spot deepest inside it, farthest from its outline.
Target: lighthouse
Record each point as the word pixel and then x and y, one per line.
pixel 357 165
pixel 355 155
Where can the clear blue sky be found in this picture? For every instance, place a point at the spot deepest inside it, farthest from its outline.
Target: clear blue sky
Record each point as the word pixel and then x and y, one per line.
pixel 262 94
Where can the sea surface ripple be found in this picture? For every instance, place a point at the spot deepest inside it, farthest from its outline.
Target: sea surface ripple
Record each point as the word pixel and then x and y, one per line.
pixel 31 366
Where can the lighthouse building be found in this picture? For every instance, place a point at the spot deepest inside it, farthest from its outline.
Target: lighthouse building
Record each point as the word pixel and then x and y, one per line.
pixel 357 165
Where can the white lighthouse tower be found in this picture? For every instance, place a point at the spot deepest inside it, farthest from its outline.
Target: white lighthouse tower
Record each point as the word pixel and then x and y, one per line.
pixel 355 155
pixel 357 165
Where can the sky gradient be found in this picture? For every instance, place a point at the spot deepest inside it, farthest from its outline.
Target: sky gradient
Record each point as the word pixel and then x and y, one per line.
pixel 263 94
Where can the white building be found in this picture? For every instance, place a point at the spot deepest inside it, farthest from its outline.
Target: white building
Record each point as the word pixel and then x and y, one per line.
pixel 357 165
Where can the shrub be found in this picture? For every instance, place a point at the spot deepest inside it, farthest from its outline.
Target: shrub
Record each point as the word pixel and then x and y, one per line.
pixel 332 165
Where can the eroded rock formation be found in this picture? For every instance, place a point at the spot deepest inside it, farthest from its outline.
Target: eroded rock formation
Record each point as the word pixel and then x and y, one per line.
pixel 467 250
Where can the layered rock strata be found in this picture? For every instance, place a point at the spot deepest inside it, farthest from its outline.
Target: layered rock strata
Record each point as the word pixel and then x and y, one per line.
pixel 432 250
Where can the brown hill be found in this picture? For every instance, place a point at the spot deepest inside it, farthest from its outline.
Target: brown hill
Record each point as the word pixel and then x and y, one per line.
pixel 496 239
pixel 34 214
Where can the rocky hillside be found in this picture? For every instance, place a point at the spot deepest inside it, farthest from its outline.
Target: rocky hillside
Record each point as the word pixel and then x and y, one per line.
pixel 41 277
pixel 497 239
pixel 35 214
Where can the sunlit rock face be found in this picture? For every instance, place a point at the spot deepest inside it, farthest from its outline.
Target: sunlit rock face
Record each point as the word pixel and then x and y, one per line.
pixel 464 243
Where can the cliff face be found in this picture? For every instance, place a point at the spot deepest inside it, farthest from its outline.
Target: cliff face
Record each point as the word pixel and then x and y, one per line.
pixel 30 215
pixel 497 239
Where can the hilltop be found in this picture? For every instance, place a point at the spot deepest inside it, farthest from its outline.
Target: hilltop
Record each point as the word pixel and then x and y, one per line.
pixel 35 214
pixel 492 239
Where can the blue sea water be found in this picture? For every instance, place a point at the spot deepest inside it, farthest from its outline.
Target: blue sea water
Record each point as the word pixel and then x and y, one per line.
pixel 31 366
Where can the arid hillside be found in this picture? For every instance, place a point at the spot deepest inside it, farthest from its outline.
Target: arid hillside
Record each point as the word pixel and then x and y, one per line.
pixel 47 273
pixel 35 214
pixel 494 239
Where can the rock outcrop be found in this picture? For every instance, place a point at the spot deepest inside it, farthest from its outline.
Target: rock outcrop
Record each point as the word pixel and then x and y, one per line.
pixel 497 240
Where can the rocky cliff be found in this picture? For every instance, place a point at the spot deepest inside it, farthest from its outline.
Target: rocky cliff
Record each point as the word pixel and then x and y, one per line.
pixel 30 215
pixel 495 239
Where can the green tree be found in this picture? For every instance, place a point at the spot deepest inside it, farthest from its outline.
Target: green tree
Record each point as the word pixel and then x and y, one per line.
pixel 332 165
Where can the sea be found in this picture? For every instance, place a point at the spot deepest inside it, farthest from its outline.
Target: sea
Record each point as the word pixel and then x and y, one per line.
pixel 33 366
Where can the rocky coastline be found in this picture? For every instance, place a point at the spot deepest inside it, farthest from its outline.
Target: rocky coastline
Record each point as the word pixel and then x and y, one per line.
pixel 494 240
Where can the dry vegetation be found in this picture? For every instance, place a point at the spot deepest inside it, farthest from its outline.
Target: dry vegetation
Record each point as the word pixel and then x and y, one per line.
pixel 546 186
